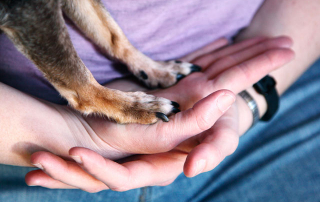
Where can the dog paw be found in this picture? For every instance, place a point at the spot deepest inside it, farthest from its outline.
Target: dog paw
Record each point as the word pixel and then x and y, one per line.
pixel 143 108
pixel 165 74
pixel 124 107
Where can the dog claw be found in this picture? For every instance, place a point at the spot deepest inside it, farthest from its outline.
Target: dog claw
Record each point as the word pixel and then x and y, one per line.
pixel 162 116
pixel 175 110
pixel 195 68
pixel 180 76
pixel 143 75
pixel 175 104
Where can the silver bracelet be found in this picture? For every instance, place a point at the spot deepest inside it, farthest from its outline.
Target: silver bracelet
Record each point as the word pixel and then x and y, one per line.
pixel 252 105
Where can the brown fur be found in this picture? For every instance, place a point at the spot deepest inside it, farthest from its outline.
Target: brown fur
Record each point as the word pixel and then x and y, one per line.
pixel 38 30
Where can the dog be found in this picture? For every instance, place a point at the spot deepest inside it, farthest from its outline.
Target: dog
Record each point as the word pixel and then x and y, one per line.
pixel 37 29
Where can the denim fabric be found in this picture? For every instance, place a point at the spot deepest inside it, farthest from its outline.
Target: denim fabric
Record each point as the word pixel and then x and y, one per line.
pixel 275 161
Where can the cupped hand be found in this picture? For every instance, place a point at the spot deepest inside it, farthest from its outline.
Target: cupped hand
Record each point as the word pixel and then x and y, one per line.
pixel 234 68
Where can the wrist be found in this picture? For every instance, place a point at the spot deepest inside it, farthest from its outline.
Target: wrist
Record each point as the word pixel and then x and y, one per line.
pixel 81 133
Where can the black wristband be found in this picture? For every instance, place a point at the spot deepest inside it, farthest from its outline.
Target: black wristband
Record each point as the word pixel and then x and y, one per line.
pixel 266 87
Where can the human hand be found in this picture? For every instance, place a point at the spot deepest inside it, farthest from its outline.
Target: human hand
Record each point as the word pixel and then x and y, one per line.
pixel 248 72
pixel 94 173
pixel 226 72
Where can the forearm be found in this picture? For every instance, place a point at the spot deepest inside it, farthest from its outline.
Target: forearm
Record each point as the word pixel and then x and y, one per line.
pixel 29 125
pixel 298 19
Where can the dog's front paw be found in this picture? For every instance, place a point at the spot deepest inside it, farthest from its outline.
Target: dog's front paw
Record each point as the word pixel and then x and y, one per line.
pixel 165 74
pixel 139 107
pixel 124 107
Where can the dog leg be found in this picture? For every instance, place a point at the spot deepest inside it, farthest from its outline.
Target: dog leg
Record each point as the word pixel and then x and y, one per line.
pixel 38 30
pixel 93 19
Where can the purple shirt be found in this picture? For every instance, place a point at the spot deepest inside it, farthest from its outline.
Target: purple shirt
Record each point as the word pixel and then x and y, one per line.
pixel 161 29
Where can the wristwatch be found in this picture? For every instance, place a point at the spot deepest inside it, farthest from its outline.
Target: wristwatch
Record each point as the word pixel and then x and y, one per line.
pixel 266 87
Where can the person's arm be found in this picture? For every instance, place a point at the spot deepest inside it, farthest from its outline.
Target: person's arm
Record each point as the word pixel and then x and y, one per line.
pixel 29 125
pixel 297 19
pixel 300 20
pixel 239 66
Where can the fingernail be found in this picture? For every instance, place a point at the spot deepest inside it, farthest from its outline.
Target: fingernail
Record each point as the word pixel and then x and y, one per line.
pixel 225 101
pixel 77 159
pixel 38 165
pixel 200 166
pixel 285 42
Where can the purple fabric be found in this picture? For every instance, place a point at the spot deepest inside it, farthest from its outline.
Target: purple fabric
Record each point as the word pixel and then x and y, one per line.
pixel 161 29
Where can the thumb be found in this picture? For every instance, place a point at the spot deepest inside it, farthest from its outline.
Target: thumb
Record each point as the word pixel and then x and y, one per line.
pixel 197 119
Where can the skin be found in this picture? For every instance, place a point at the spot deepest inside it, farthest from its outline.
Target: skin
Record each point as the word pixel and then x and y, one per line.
pixel 145 170
pixel 117 141
pixel 122 140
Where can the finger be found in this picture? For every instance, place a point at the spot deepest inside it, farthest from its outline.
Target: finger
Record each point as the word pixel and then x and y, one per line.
pixel 220 141
pixel 206 49
pixel 164 137
pixel 193 121
pixel 146 170
pixel 245 74
pixel 204 61
pixel 67 172
pixel 39 178
pixel 246 54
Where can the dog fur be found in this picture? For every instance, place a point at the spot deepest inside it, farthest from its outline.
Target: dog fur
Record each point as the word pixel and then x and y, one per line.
pixel 38 30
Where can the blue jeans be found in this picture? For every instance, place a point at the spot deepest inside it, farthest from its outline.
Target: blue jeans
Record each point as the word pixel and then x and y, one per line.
pixel 275 161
